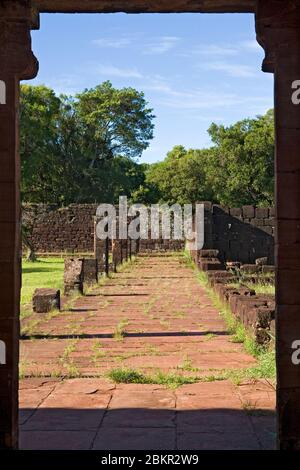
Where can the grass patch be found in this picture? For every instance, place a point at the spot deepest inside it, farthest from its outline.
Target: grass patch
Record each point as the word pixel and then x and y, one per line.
pixel 69 349
pixel 187 365
pixel 259 287
pixel 45 272
pixel 262 288
pixel 120 330
pixel 97 352
pixel 209 336
pixel 127 376
pixel 125 264
pixel 264 369
pixel 171 379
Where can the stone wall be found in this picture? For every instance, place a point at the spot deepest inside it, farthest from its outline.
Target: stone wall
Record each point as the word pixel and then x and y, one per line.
pixel 240 234
pixel 56 229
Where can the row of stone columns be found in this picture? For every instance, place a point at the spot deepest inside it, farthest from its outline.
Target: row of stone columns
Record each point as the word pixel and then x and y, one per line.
pixel 115 248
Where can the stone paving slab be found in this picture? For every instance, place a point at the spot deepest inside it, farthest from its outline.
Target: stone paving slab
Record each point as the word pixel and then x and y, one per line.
pixel 169 325
pixel 97 414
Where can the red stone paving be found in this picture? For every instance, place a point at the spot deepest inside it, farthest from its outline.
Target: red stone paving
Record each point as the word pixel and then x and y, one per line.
pixel 169 325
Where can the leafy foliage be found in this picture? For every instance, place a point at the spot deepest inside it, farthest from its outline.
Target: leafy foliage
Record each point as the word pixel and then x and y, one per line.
pixel 241 167
pixel 238 169
pixel 82 149
pixel 181 177
pixel 86 149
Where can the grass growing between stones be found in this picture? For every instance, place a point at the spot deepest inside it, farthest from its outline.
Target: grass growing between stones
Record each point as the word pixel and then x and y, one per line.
pixel 120 330
pixel 171 379
pixel 266 365
pixel 265 356
pixel 259 287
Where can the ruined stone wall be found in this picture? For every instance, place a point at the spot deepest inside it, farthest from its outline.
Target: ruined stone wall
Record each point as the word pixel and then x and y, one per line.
pixel 240 234
pixel 54 229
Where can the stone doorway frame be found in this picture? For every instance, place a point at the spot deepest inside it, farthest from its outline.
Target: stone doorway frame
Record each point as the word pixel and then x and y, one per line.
pixel 278 32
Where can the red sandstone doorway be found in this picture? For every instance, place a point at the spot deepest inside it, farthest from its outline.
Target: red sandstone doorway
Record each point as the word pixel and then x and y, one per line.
pixel 22 66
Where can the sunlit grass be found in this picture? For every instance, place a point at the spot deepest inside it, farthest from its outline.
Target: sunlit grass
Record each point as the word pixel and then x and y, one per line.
pixel 259 287
pixel 170 379
pixel 265 355
pixel 45 272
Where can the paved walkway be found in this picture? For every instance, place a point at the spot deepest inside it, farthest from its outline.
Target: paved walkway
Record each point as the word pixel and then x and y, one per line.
pixel 156 319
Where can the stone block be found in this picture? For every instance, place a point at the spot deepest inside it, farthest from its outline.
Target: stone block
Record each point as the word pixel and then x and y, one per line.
pixel 220 277
pixel 264 316
pixel 90 270
pixel 267 229
pixel 208 253
pixel 248 212
pixel 211 265
pixel 267 269
pixel 45 300
pixel 233 265
pixel 100 250
pixel 250 269
pixel 270 222
pixel 73 275
pixel 257 222
pixel 261 261
pixel 235 211
pixel 261 212
pixel 272 212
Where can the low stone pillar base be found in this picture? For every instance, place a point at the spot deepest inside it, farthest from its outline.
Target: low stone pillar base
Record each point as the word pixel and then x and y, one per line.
pixel 45 300
pixel 73 276
pixel 90 271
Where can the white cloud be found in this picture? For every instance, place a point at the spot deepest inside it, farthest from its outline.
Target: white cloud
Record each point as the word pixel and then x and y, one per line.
pixel 161 45
pixel 234 70
pixel 112 71
pixel 251 45
pixel 210 101
pixel 116 43
pixel 222 50
pixel 215 49
pixel 66 85
pixel 166 90
pixel 204 99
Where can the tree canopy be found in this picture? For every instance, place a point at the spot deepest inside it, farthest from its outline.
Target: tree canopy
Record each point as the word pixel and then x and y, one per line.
pixel 83 148
pixel 237 169
pixel 86 149
pixel 241 167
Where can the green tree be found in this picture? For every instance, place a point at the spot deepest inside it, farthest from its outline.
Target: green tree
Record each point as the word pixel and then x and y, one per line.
pixel 241 167
pixel 113 122
pixel 82 149
pixel 181 177
pixel 39 116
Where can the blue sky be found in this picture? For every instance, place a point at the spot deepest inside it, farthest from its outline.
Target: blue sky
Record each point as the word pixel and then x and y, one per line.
pixel 194 69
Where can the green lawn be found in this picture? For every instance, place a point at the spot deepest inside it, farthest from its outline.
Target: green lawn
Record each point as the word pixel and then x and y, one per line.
pixel 46 272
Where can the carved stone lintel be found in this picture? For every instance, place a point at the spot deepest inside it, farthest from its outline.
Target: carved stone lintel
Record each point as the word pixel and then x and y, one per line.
pixel 16 56
pixel 277 29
